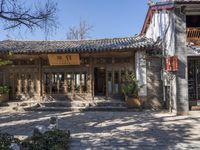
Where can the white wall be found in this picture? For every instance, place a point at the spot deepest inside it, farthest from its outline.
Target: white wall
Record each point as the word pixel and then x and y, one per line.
pixel 140 66
pixel 163 26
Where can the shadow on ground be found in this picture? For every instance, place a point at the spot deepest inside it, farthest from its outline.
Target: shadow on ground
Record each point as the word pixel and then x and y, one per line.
pixel 113 130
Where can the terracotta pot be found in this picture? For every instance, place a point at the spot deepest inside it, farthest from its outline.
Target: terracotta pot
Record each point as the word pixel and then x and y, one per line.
pixel 4 97
pixel 132 102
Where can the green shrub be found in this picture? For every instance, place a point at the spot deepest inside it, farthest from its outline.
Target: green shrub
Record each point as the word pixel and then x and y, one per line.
pixel 6 140
pixel 130 86
pixel 50 140
pixel 4 90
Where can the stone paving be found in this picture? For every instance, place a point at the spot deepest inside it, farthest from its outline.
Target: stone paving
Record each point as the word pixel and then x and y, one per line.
pixel 113 130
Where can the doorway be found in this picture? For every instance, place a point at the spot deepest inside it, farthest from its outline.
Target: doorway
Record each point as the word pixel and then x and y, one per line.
pixel 194 80
pixel 54 83
pixel 99 81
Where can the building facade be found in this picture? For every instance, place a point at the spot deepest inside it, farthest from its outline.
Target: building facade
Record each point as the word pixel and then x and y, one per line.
pixel 71 70
pixel 175 23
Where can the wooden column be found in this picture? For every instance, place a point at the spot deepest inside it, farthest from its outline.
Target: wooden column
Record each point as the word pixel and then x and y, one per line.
pixel 43 84
pixel 119 81
pixel 113 82
pixel 25 84
pixel 81 84
pixel 58 84
pixel 38 85
pixel 40 88
pixel 106 82
pixel 89 91
pixel 19 84
pixel 65 84
pixel 4 77
pixel 13 83
pixel 50 84
pixel 73 85
pixel 92 77
pixel 32 84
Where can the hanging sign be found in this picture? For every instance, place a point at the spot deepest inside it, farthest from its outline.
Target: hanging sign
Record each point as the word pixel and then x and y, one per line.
pixel 172 63
pixel 64 59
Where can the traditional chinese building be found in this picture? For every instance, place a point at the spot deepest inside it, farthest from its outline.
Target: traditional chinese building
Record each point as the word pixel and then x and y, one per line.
pixel 72 69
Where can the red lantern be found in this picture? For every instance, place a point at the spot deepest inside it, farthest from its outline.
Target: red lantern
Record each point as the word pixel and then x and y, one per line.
pixel 172 63
pixel 168 64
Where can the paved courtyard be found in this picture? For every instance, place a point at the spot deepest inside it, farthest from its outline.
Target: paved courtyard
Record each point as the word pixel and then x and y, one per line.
pixel 113 130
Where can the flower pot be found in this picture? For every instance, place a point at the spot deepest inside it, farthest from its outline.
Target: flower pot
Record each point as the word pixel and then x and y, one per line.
pixel 133 102
pixel 4 97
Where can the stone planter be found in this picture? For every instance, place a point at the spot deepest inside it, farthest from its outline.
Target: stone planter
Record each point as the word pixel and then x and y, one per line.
pixel 132 102
pixel 4 97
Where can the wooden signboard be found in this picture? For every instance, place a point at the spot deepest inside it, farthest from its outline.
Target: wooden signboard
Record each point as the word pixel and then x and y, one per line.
pixel 64 59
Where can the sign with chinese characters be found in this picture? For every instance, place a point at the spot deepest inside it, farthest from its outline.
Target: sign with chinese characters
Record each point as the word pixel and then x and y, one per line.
pixel 64 59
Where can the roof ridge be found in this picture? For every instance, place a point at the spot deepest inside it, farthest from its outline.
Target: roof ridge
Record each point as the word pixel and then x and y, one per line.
pixel 115 38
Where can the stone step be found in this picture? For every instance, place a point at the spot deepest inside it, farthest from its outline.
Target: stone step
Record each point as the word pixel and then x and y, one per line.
pixel 54 109
pixel 82 103
pixel 196 108
pixel 95 105
pixel 81 109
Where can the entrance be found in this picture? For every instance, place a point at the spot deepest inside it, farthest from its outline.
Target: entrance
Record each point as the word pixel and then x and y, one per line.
pixel 54 83
pixel 99 81
pixel 194 80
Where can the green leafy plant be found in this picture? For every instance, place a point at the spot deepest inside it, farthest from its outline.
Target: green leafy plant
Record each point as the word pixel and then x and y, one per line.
pixel 130 86
pixel 5 62
pixel 6 140
pixel 4 90
pixel 50 140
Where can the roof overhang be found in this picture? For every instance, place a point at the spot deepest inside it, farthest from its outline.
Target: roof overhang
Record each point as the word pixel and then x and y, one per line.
pixel 79 46
pixel 151 10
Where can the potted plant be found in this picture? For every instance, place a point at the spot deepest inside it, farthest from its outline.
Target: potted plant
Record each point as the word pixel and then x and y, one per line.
pixel 130 90
pixel 4 93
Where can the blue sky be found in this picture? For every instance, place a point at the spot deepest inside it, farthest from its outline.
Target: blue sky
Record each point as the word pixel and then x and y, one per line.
pixel 110 18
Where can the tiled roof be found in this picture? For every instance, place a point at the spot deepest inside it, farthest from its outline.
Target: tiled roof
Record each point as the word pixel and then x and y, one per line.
pixel 81 46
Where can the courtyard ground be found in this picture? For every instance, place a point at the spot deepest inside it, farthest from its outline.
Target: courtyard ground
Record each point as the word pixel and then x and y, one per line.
pixel 113 130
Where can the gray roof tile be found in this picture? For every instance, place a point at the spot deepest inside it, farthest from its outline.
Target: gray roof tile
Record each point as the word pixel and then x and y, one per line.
pixel 81 46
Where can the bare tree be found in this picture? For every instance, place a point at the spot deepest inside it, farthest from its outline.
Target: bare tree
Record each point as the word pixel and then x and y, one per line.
pixel 16 13
pixel 81 32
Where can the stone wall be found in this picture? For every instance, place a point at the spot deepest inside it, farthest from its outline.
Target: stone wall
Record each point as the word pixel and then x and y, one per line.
pixel 154 83
pixel 181 52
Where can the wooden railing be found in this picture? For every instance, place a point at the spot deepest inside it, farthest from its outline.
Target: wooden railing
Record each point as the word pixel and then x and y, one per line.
pixel 193 35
